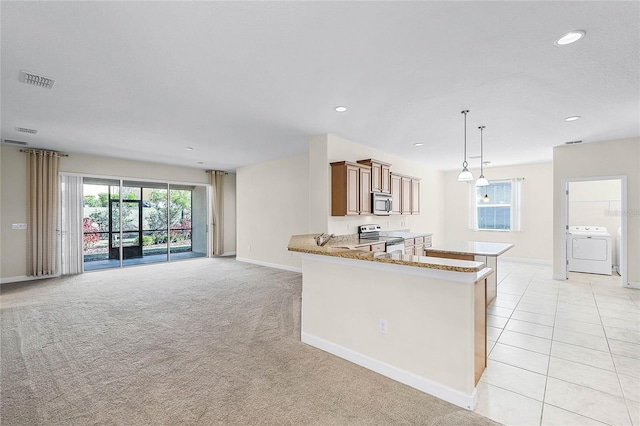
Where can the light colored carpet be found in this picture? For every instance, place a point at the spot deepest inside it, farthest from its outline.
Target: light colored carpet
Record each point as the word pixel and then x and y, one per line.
pixel 199 342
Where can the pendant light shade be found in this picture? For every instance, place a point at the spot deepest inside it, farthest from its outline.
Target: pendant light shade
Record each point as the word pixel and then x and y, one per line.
pixel 482 181
pixel 465 175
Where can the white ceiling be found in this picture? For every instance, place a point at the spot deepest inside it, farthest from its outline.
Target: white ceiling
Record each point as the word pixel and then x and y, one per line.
pixel 244 82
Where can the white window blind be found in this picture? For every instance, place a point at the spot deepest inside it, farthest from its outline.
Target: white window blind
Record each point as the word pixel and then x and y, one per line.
pixel 497 207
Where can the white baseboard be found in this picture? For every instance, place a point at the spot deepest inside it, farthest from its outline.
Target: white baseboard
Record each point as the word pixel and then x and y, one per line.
pixel 425 385
pixel 228 253
pixel 270 265
pixel 525 260
pixel 21 278
pixel 632 284
pixel 560 277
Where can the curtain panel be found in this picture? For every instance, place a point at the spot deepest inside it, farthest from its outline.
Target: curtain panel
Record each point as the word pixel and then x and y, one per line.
pixel 71 224
pixel 217 209
pixel 42 212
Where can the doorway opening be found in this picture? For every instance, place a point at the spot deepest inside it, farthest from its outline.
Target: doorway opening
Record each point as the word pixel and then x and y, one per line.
pixel 594 228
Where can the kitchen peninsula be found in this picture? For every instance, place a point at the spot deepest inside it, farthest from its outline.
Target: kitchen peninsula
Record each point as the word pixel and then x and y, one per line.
pixel 416 319
pixel 474 250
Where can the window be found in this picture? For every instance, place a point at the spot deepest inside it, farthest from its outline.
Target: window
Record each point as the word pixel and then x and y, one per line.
pixel 496 207
pixel 494 212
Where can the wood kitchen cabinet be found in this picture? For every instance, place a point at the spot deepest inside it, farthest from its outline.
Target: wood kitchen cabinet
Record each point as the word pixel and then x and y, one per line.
pixel 415 196
pixel 380 175
pixel 396 194
pixel 405 198
pixel 405 193
pixel 350 189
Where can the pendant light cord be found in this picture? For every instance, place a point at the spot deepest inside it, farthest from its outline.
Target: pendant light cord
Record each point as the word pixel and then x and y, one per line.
pixel 481 152
pixel 464 163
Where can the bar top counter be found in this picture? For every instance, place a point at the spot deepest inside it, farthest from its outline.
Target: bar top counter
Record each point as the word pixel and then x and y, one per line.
pixel 478 248
pixel 350 246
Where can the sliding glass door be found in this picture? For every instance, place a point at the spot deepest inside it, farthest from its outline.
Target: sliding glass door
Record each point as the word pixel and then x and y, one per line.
pixel 136 222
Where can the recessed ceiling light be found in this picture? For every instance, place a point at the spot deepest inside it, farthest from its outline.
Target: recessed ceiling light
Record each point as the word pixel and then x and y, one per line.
pixel 189 148
pixel 570 37
pixel 418 144
pixel 340 108
pixel 572 118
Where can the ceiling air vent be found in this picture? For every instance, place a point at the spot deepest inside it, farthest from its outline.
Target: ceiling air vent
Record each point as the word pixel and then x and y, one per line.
pixel 25 130
pixel 36 80
pixel 10 142
pixel 572 142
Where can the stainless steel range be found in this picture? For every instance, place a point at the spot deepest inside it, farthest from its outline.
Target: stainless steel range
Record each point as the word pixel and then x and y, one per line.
pixel 372 233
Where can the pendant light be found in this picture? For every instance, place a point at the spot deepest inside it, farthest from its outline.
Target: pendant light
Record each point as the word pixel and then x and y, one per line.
pixel 486 198
pixel 482 181
pixel 465 175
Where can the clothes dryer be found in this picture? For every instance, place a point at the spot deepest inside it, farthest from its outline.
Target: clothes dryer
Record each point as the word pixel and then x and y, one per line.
pixel 589 250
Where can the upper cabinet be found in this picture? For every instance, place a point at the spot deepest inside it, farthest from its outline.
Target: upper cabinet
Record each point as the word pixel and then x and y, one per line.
pixel 353 183
pixel 380 175
pixel 405 192
pixel 415 196
pixel 350 189
pixel 396 193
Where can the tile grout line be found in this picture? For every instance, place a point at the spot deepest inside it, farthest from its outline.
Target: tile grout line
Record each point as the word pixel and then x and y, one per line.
pixel 624 396
pixel 546 379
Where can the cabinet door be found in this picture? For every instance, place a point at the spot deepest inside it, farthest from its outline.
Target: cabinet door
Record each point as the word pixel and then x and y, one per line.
pixel 385 177
pixel 353 190
pixel 415 196
pixel 377 247
pixel 406 196
pixel 376 177
pixel 365 190
pixel 396 194
pixel 408 250
pixel 418 250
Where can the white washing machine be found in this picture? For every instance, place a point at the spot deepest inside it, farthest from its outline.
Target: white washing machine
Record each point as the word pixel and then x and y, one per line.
pixel 589 250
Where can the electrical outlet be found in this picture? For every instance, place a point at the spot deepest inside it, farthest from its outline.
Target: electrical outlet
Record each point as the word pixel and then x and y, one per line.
pixel 383 326
pixel 249 247
pixel 18 226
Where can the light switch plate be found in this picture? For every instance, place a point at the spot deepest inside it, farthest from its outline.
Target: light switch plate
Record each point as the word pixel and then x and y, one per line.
pixel 18 226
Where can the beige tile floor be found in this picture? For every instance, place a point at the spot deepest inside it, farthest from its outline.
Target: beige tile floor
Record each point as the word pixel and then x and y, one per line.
pixel 561 352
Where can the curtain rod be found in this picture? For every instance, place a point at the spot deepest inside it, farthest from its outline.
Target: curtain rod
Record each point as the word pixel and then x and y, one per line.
pixel 34 150
pixel 209 171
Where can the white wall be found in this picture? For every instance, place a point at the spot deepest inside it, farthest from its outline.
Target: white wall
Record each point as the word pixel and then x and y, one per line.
pixel 229 214
pixel 13 207
pixel 272 202
pixel 597 203
pixel 534 242
pixel 431 217
pixel 290 196
pixel 600 159
pixel 13 182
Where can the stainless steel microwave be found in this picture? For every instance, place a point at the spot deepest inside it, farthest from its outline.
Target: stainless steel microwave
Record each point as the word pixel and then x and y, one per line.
pixel 381 203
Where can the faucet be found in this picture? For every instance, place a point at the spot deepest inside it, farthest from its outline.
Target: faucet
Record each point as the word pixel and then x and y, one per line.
pixel 322 239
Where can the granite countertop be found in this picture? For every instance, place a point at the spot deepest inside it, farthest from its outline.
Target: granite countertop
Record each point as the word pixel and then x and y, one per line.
pixel 350 246
pixel 404 234
pixel 479 248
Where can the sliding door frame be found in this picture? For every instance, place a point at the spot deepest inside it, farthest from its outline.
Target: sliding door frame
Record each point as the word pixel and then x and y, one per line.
pixel 168 183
